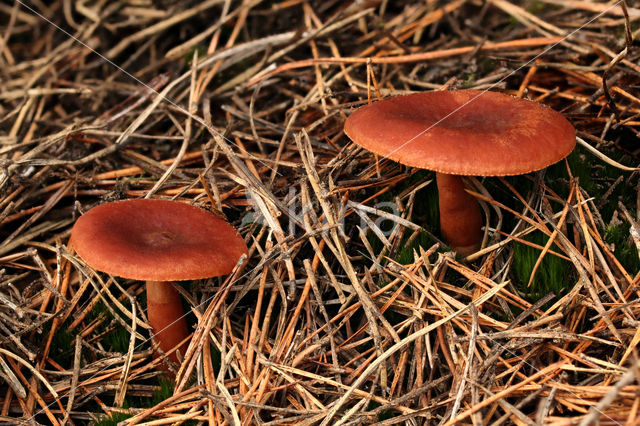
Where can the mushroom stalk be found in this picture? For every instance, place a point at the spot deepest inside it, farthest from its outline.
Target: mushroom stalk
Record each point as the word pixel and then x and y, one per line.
pixel 460 215
pixel 166 317
pixel 160 242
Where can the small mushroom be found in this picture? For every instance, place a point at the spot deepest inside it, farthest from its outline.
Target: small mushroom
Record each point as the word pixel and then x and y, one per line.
pixel 158 241
pixel 463 133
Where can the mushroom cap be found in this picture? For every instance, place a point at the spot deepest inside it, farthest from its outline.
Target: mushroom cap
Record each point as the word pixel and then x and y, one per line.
pixel 463 132
pixel 156 240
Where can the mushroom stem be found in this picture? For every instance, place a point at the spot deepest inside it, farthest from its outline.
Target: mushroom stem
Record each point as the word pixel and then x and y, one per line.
pixel 460 215
pixel 166 317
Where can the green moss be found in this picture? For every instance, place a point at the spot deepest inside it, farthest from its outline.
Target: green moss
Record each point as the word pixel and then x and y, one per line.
pixel 62 347
pixel 382 415
pixel 581 168
pixel 188 57
pixel 98 309
pixel 426 212
pixel 164 391
pixel 595 179
pixel 486 64
pixel 552 275
pixel 405 255
pixel 624 249
pixel 112 420
pixel 117 340
pixel 117 337
pixel 469 80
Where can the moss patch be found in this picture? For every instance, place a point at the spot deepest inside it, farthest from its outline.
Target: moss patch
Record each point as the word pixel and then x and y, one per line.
pixel 553 273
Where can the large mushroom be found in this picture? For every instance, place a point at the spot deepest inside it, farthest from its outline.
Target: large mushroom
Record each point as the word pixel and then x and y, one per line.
pixel 158 241
pixel 463 133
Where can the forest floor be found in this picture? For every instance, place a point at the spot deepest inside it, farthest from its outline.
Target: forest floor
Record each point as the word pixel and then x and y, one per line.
pixel 350 308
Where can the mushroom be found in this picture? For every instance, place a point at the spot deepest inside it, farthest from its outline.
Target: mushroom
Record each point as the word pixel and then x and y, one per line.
pixel 462 133
pixel 158 241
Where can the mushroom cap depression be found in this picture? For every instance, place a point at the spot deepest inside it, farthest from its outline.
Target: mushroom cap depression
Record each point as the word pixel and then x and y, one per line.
pixel 156 240
pixel 463 132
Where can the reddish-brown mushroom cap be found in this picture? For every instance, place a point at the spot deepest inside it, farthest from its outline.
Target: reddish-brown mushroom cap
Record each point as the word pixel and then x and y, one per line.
pixel 156 240
pixel 463 132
